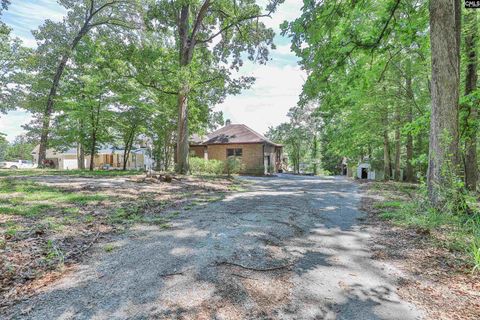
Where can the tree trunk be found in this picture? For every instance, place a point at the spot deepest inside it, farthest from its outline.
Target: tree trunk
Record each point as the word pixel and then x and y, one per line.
pixel 128 146
pixel 315 154
pixel 387 163
pixel 471 126
pixel 397 144
pixel 443 148
pixel 81 157
pixel 95 118
pixel 81 148
pixel 182 134
pixel 409 174
pixel 92 150
pixel 125 159
pixel 387 166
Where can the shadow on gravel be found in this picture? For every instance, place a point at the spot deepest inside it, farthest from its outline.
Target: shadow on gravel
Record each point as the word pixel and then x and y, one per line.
pixel 262 254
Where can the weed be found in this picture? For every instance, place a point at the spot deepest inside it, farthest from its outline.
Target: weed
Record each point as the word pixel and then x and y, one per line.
pixel 475 252
pixel 53 253
pixel 109 247
pixel 88 218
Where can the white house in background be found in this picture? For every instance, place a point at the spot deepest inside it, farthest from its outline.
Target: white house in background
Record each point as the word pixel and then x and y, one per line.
pixel 364 171
pixel 107 157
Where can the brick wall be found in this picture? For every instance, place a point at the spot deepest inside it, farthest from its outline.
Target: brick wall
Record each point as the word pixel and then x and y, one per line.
pixel 252 156
pixel 197 150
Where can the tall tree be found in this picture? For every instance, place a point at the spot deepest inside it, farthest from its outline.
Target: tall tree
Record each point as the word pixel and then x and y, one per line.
pixel 445 82
pixel 195 25
pixel 59 40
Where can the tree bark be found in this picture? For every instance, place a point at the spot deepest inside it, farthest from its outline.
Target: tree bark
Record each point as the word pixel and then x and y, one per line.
pixel 409 173
pixel 387 163
pixel 81 148
pixel 471 126
pixel 182 133
pixel 81 157
pixel 397 143
pixel 95 118
pixel 315 154
pixel 187 37
pixel 128 147
pixel 443 148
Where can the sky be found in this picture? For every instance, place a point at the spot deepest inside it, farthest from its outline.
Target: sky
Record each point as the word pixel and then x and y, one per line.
pixel 277 87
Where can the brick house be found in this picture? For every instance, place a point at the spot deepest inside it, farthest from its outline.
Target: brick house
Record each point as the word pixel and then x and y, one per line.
pixel 257 154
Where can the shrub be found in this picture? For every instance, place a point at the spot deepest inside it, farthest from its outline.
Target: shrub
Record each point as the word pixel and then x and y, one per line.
pixel 232 166
pixel 202 166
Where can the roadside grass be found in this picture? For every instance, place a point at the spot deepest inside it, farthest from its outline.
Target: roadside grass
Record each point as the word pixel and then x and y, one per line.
pixel 27 198
pixel 54 172
pixel 405 206
pixel 43 227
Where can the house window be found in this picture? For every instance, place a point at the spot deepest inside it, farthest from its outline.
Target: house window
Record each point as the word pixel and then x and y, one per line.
pixel 234 152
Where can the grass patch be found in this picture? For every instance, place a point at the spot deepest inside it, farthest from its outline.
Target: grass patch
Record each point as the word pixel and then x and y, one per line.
pixel 54 172
pixel 24 197
pixel 109 247
pixel 455 231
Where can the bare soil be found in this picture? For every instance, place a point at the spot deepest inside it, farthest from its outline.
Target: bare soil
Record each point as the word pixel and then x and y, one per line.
pixel 46 246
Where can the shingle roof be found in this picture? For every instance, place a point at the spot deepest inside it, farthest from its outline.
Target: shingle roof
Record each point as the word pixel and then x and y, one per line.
pixel 236 133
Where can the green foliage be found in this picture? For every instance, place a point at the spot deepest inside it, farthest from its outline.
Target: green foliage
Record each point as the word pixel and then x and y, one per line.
pixel 232 165
pixel 20 149
pixel 367 64
pixel 475 252
pixel 33 199
pixel 300 138
pixel 202 166
pixel 13 65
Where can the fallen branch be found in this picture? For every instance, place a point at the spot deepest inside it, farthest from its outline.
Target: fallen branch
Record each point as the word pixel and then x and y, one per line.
pixel 242 276
pixel 171 274
pixel 255 269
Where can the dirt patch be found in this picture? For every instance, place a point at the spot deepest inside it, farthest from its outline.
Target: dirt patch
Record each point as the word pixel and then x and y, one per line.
pixel 47 223
pixel 435 278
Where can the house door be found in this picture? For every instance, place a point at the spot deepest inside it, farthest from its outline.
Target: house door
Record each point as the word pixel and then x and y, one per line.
pixel 364 173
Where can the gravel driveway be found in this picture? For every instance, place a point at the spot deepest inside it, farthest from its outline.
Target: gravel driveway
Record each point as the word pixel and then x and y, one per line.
pixel 288 248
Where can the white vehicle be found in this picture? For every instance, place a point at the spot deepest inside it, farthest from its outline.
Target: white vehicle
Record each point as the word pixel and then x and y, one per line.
pixel 20 164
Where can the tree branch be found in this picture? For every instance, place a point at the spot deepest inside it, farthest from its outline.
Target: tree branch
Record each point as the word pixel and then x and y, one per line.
pixel 231 25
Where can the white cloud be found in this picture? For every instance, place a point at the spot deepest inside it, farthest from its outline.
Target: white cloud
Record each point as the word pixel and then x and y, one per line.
pixel 284 49
pixel 278 84
pixel 36 11
pixel 28 42
pixel 266 104
pixel 11 123
pixel 289 11
pixel 24 16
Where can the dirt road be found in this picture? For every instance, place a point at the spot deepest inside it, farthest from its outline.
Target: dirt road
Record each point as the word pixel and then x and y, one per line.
pixel 288 248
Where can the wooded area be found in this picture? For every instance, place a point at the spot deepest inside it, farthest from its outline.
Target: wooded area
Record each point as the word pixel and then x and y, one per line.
pixel 382 76
pixel 113 70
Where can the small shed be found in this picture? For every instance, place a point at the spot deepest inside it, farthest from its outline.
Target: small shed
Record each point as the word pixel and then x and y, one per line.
pixel 365 172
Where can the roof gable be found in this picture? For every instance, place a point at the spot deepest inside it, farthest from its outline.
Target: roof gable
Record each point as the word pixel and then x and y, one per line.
pixel 236 134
